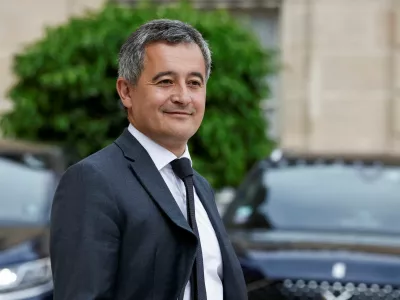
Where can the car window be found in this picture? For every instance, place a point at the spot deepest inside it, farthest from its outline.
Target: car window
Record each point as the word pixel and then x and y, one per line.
pixel 322 197
pixel 25 190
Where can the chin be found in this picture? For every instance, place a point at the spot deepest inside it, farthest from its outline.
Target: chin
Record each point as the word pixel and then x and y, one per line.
pixel 182 135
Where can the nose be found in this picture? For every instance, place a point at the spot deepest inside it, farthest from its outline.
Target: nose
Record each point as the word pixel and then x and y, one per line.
pixel 181 95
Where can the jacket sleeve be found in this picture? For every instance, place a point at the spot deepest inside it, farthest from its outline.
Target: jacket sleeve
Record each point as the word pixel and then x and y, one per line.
pixel 85 236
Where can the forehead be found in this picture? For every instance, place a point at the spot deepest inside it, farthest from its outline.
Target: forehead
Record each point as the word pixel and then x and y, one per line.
pixel 180 58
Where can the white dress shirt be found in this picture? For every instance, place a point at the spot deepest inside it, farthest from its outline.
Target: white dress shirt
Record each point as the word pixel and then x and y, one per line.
pixel 209 243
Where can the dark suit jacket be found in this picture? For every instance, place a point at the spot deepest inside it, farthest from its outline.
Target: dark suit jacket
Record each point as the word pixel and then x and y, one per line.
pixel 117 232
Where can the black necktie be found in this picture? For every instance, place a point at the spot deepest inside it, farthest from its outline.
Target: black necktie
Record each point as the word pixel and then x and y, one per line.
pixel 184 171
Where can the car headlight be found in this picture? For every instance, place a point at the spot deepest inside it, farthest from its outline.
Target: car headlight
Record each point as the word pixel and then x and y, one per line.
pixel 25 275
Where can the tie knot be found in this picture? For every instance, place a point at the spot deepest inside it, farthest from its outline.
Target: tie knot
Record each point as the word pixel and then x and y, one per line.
pixel 182 167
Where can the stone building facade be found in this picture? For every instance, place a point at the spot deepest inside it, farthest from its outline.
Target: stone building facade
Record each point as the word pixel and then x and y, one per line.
pixel 339 86
pixel 23 21
pixel 341 76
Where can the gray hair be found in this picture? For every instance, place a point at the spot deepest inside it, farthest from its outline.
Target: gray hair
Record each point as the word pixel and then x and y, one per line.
pixel 131 55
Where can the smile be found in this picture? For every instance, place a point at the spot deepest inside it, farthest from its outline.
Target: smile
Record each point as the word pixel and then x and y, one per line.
pixel 179 113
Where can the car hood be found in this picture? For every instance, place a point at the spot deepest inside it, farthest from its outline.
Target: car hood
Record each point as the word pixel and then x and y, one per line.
pixel 21 244
pixel 278 240
pixel 320 256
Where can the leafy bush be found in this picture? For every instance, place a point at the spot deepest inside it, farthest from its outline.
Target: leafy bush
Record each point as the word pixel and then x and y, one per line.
pixel 65 93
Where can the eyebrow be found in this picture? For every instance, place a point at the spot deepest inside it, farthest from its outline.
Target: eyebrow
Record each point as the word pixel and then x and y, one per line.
pixel 165 73
pixel 197 74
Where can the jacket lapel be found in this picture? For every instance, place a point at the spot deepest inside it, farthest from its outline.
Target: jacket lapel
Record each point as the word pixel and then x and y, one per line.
pixel 146 172
pixel 234 288
pixel 215 219
pixel 212 213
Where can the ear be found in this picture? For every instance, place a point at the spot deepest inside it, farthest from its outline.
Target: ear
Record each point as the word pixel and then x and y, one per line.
pixel 124 89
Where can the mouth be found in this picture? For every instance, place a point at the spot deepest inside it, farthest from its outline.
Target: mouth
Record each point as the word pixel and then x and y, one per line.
pixel 181 113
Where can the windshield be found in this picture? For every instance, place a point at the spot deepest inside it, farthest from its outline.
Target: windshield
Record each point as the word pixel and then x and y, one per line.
pixel 321 197
pixel 25 190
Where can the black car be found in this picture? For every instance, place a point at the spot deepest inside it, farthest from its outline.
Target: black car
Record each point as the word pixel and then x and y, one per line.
pixel 28 178
pixel 319 227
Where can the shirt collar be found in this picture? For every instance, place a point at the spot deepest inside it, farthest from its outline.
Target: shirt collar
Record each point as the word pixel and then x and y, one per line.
pixel 160 156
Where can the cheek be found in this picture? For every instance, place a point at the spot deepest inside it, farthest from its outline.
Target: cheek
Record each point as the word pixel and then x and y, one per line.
pixel 199 103
pixel 156 98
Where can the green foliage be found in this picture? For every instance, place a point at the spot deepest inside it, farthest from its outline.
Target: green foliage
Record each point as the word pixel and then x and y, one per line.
pixel 65 93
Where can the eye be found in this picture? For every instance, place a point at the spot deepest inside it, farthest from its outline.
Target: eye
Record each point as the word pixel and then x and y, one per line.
pixel 195 83
pixel 165 82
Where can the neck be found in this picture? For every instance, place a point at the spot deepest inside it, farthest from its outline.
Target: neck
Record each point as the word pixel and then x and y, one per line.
pixel 175 146
pixel 177 151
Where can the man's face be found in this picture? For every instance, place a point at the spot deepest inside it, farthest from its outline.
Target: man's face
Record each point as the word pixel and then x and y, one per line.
pixel 167 104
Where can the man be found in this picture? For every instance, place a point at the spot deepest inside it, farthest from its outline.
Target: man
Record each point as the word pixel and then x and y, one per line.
pixel 133 221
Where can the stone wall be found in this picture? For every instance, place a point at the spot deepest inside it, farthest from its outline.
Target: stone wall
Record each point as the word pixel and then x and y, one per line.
pixel 22 21
pixel 341 77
